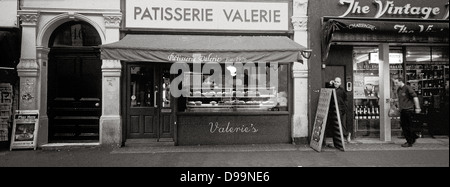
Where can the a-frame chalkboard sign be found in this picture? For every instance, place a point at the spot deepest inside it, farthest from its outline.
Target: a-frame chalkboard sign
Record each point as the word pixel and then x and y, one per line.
pixel 327 109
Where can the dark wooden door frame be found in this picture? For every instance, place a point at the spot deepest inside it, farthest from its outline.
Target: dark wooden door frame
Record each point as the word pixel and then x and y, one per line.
pixel 157 69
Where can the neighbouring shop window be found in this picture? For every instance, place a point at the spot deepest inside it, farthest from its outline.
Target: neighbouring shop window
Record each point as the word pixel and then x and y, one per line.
pixel 366 90
pixel 424 68
pixel 366 87
pixel 251 88
pixel 427 71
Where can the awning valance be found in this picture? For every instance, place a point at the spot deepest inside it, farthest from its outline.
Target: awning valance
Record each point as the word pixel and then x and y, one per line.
pixel 382 30
pixel 195 48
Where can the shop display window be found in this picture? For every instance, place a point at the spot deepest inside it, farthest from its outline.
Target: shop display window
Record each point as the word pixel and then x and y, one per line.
pixel 250 91
pixel 424 68
pixel 427 72
pixel 366 88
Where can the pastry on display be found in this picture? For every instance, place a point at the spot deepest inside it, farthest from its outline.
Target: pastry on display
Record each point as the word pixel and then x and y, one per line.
pixel 197 93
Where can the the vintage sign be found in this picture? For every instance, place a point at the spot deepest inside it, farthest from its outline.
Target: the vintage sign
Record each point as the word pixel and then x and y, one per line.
pixel 211 15
pixel 394 9
pixel 327 108
pixel 25 128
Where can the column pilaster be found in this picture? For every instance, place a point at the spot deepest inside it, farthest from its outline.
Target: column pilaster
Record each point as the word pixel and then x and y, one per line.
pixel 300 74
pixel 110 121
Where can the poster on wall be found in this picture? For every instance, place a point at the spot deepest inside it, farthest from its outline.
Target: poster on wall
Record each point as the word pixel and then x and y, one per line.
pixel 358 86
pixel 371 86
pixel 25 128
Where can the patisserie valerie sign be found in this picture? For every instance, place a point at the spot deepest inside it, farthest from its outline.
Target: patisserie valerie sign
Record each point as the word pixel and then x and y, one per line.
pixel 395 9
pixel 172 14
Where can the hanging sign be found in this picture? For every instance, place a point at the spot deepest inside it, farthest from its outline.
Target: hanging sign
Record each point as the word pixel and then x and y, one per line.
pixel 25 128
pixel 327 109
pixel 211 15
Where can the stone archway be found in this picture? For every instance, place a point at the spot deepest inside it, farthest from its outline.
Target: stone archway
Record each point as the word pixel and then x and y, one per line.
pixel 74 78
pixel 43 39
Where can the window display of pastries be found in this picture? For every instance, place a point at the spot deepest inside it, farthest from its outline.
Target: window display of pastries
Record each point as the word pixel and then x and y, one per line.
pixel 252 103
pixel 197 93
pixel 209 94
pixel 239 93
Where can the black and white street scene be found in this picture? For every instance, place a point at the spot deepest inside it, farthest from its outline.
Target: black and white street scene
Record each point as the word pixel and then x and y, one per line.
pixel 245 84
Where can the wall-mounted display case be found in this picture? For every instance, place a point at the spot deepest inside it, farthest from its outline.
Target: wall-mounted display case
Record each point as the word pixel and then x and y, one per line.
pixel 229 99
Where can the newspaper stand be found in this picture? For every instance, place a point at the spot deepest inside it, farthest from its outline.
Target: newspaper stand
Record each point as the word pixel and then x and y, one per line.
pixel 25 129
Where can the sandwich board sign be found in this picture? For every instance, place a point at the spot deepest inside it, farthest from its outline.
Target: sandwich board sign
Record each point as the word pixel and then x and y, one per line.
pixel 327 113
pixel 25 129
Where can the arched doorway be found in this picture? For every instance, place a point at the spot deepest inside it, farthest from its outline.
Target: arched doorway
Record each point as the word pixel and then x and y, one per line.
pixel 74 83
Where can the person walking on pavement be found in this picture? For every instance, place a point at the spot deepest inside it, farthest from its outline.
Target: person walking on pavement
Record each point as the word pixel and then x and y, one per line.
pixel 407 99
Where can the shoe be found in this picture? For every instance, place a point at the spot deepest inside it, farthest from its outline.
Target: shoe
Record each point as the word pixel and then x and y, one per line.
pixel 340 149
pixel 406 145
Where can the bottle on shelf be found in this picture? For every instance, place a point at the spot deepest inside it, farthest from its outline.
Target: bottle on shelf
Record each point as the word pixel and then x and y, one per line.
pixel 365 112
pixel 377 113
pixel 359 112
pixel 374 115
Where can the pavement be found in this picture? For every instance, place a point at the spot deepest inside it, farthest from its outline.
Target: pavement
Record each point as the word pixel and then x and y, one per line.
pixel 362 152
pixel 360 144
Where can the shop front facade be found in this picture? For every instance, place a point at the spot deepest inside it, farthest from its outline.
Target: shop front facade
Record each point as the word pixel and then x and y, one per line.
pixel 215 72
pixel 368 43
pixel 103 72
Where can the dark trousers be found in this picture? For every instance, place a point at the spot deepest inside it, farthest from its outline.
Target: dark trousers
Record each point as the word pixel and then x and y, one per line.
pixel 407 126
pixel 345 128
pixel 332 129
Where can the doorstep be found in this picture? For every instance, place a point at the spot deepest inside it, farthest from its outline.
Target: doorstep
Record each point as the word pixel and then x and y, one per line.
pixel 54 146
pixel 398 140
pixel 151 142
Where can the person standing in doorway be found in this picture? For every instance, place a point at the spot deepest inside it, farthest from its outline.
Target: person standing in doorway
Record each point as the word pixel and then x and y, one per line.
pixel 407 99
pixel 341 95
